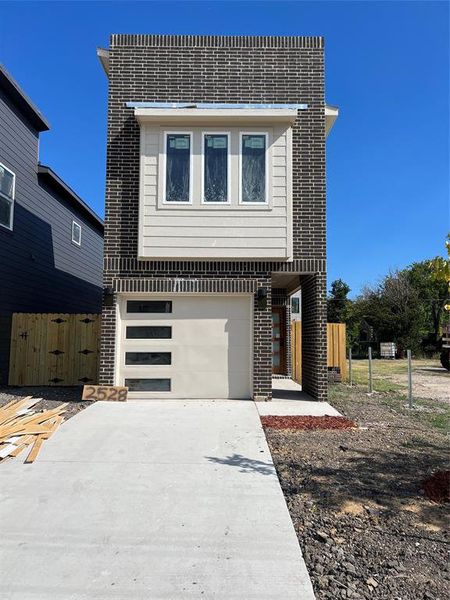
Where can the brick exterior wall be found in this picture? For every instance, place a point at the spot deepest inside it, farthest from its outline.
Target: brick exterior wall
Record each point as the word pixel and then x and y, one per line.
pixel 216 69
pixel 314 336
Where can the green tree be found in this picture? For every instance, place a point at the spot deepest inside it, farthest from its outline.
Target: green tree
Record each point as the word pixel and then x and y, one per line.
pixel 440 266
pixel 432 294
pixel 393 309
pixel 337 302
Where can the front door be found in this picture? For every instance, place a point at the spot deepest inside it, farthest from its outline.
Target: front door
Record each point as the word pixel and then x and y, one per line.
pixel 279 340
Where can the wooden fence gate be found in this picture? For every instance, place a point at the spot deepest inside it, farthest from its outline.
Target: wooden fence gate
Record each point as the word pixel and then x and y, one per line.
pixel 336 349
pixel 54 349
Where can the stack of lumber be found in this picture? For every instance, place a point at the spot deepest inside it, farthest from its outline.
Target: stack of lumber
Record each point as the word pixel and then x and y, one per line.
pixel 21 427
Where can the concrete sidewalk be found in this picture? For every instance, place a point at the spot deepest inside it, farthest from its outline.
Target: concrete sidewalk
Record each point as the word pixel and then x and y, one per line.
pixel 150 501
pixel 290 400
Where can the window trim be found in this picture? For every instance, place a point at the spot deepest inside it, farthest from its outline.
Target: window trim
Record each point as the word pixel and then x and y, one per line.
pixel 10 200
pixel 78 225
pixel 266 195
pixel 166 134
pixel 202 191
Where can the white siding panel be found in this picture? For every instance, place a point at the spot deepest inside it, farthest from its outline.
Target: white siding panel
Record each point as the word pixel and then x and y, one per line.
pixel 197 221
pixel 216 232
pixel 213 242
pixel 230 231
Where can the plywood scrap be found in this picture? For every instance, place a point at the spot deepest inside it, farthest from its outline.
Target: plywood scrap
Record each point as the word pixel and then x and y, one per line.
pixel 21 427
pixel 35 449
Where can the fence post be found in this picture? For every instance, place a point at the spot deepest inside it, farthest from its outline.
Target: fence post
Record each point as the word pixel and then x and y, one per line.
pixel 370 371
pixel 350 372
pixel 410 402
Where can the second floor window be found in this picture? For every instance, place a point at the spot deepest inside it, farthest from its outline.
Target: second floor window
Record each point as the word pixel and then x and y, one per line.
pixel 253 167
pixel 178 167
pixel 7 185
pixel 76 233
pixel 215 167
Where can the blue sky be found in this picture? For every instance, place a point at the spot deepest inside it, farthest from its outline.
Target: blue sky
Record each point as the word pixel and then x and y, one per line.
pixel 387 68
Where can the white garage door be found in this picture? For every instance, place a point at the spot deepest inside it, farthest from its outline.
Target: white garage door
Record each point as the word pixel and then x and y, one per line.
pixel 185 346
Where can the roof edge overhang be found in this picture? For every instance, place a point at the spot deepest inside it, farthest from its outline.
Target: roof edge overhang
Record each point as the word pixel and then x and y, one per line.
pixel 22 101
pixel 54 181
pixel 103 57
pixel 157 112
pixel 331 114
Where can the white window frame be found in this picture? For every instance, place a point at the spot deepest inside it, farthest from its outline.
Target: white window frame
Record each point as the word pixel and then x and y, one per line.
pixel 10 200
pixel 78 225
pixel 228 200
pixel 191 168
pixel 266 198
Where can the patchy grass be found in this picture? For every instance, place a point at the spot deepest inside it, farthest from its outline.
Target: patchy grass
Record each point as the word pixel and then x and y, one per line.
pixel 425 411
pixel 384 370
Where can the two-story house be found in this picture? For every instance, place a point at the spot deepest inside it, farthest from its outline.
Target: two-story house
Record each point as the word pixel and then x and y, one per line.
pixel 215 214
pixel 51 242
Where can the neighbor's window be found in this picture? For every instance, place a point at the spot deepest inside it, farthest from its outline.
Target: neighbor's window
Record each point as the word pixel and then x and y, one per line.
pixel 215 174
pixel 295 305
pixel 178 167
pixel 7 185
pixel 253 167
pixel 76 233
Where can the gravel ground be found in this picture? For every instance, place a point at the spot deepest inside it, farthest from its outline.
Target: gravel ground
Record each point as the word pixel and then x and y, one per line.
pixel 429 382
pixel 355 499
pixel 51 397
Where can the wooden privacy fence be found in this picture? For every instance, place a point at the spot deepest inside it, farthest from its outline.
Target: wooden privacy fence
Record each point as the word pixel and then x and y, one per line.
pixel 54 349
pixel 336 349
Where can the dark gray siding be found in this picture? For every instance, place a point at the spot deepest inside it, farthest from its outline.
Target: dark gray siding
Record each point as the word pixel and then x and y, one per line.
pixel 41 270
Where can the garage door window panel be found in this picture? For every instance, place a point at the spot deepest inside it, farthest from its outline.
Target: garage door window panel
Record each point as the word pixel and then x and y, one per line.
pixel 149 306
pixel 149 332
pixel 148 385
pixel 148 358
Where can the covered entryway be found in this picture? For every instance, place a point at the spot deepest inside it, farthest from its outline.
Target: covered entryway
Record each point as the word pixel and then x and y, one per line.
pixel 185 346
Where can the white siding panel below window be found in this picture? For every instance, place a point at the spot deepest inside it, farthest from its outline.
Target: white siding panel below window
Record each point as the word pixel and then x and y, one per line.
pixel 233 231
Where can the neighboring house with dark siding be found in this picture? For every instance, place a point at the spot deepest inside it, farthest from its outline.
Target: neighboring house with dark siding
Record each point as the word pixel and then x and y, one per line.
pixel 215 214
pixel 51 242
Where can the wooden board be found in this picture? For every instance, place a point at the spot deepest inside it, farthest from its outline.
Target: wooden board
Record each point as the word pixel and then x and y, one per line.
pixel 110 393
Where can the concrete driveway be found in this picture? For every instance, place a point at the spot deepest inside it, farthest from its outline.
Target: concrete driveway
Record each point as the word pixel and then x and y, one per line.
pixel 156 500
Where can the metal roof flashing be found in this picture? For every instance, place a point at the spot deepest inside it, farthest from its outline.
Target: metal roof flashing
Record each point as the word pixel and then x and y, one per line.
pixel 214 105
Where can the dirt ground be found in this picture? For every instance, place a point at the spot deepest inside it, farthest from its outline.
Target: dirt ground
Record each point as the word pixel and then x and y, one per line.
pixel 429 379
pixel 51 397
pixel 355 498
